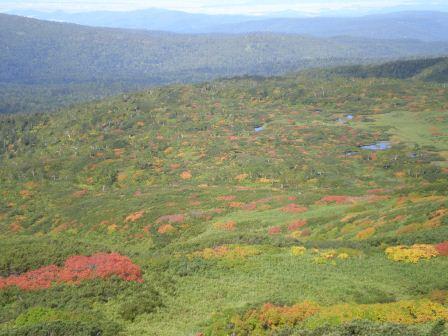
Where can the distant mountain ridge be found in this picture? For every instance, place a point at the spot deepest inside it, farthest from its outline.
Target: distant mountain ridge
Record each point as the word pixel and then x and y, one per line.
pixel 43 63
pixel 422 25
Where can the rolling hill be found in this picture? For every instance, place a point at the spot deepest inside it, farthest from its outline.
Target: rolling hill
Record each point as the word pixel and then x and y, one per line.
pixel 298 205
pixel 44 65
pixel 422 25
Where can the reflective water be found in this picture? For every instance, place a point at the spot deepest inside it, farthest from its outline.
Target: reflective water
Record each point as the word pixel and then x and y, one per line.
pixel 379 146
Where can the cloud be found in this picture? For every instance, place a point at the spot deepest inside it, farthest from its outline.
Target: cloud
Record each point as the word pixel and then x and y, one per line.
pixel 214 6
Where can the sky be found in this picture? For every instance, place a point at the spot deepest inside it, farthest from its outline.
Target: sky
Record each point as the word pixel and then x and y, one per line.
pixel 253 7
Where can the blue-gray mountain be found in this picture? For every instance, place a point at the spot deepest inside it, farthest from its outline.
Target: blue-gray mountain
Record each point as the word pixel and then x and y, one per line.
pixel 424 25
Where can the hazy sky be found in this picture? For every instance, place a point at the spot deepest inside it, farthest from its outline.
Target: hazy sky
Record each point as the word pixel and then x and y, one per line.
pixel 221 7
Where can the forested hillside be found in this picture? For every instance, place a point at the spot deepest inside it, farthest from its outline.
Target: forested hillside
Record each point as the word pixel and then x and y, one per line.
pixel 87 63
pixel 426 26
pixel 300 205
pixel 431 70
pixel 422 25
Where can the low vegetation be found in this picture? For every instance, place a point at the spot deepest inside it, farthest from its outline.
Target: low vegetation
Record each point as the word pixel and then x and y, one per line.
pixel 166 213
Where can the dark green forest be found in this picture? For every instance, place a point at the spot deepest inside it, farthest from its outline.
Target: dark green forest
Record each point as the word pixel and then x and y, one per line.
pixel 45 65
pixel 430 70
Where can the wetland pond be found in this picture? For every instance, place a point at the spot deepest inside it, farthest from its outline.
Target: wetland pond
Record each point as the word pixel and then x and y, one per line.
pixel 378 146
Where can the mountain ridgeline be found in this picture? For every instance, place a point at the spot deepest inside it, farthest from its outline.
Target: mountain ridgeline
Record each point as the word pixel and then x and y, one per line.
pixel 422 25
pixel 44 65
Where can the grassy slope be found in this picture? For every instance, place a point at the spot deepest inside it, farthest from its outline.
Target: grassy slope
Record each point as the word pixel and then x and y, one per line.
pixel 128 154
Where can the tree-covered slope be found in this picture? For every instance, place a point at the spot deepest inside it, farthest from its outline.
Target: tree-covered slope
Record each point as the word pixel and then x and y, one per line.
pixel 431 70
pixel 426 26
pixel 282 206
pixel 92 62
pixel 423 25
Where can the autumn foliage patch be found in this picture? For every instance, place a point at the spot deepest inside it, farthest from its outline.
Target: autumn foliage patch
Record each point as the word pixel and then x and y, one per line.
pixel 171 219
pixel 442 248
pixel 411 254
pixel 166 228
pixel 297 225
pixel 226 226
pixel 272 319
pixel 275 230
pixel 294 208
pixel 134 217
pixel 226 252
pixel 75 270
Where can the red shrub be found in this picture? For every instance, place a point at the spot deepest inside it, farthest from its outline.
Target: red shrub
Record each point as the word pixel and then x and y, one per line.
pixel 294 208
pixel 336 199
pixel 275 230
pixel 100 265
pixel 76 269
pixel 442 248
pixel 297 225
pixel 39 279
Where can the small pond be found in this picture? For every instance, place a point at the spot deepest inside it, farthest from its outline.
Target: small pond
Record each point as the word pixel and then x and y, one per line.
pixel 379 146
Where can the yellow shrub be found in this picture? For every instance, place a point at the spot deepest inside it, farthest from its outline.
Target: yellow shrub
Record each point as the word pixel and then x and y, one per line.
pixel 411 254
pixel 343 256
pixel 298 250
pixel 402 312
pixel 226 252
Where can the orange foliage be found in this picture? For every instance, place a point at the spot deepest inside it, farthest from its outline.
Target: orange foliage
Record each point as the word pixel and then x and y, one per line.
pixel 167 228
pixel 186 175
pixel 227 226
pixel 80 193
pixel 364 234
pixel 15 227
pixel 25 193
pixel 226 198
pixel 294 208
pixel 118 152
pixel 272 316
pixel 134 217
pixel 241 177
pixel 171 219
